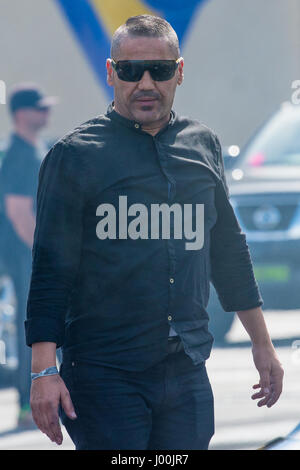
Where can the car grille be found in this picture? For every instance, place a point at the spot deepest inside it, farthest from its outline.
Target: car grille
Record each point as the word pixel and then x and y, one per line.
pixel 285 214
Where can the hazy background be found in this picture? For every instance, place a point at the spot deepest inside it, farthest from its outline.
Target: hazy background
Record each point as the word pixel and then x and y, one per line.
pixel 241 58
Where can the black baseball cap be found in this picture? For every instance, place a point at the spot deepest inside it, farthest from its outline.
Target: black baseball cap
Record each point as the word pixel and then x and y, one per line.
pixel 29 96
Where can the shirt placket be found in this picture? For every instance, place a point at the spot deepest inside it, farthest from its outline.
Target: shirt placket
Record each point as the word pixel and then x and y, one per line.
pixel 171 191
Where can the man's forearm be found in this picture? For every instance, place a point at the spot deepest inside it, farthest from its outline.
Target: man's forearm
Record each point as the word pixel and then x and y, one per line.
pixel 254 323
pixel 25 228
pixel 43 356
pixel 19 210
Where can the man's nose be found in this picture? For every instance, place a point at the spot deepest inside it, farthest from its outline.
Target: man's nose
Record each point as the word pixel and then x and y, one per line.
pixel 146 82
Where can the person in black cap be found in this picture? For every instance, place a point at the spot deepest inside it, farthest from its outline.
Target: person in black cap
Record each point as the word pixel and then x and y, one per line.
pixel 29 109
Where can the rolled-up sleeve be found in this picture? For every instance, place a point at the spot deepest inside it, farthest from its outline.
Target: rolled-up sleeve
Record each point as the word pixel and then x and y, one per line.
pixel 231 265
pixel 57 246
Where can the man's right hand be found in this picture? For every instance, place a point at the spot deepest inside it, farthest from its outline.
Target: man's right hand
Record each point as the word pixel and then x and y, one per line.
pixel 46 395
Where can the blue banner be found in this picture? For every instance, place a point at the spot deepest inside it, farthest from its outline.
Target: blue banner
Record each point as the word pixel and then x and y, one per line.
pixel 94 22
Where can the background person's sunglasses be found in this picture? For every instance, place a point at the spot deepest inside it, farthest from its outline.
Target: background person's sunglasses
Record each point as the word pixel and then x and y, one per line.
pixel 133 70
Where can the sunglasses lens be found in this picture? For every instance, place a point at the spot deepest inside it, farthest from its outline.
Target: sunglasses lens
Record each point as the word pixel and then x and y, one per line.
pixel 133 71
pixel 130 71
pixel 162 71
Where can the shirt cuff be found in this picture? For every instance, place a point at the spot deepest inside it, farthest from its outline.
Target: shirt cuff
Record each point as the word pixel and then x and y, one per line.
pixel 242 301
pixel 42 329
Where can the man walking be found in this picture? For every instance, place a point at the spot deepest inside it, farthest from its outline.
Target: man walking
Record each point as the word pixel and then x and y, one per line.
pixel 133 221
pixel 19 179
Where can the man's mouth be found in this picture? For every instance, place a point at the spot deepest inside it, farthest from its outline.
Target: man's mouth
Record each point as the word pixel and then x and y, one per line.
pixel 146 100
pixel 146 103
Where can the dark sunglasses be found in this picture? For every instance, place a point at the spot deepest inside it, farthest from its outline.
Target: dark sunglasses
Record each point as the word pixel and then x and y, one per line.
pixel 133 70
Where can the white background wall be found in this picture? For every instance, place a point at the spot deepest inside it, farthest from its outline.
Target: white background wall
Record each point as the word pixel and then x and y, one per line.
pixel 241 57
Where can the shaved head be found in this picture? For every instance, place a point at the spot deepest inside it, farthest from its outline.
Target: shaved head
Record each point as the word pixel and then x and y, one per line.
pixel 146 26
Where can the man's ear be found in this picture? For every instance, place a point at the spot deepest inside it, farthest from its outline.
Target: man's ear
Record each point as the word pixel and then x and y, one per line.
pixel 110 73
pixel 180 72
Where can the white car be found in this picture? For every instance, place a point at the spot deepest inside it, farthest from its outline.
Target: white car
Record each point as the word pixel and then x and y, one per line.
pixel 264 186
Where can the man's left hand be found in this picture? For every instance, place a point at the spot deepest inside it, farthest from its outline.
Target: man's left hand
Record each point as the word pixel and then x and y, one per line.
pixel 271 375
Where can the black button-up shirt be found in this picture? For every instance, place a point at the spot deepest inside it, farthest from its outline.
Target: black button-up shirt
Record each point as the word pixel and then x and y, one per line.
pixel 130 230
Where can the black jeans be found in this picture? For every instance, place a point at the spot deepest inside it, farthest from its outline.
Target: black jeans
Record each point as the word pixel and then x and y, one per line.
pixel 169 406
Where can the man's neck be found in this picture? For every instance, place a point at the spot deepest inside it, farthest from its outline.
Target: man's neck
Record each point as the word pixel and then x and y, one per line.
pixel 152 128
pixel 28 135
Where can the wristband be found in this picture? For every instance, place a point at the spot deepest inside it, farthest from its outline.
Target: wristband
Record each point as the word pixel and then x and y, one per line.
pixel 44 373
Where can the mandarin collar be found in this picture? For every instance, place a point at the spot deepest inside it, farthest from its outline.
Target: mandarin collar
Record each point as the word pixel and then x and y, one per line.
pixel 135 125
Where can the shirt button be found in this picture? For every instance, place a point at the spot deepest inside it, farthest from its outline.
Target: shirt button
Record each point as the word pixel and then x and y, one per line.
pixel 137 126
pixel 172 280
pixel 169 318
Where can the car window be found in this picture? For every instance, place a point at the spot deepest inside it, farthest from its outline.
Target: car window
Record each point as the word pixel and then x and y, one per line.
pixel 278 143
